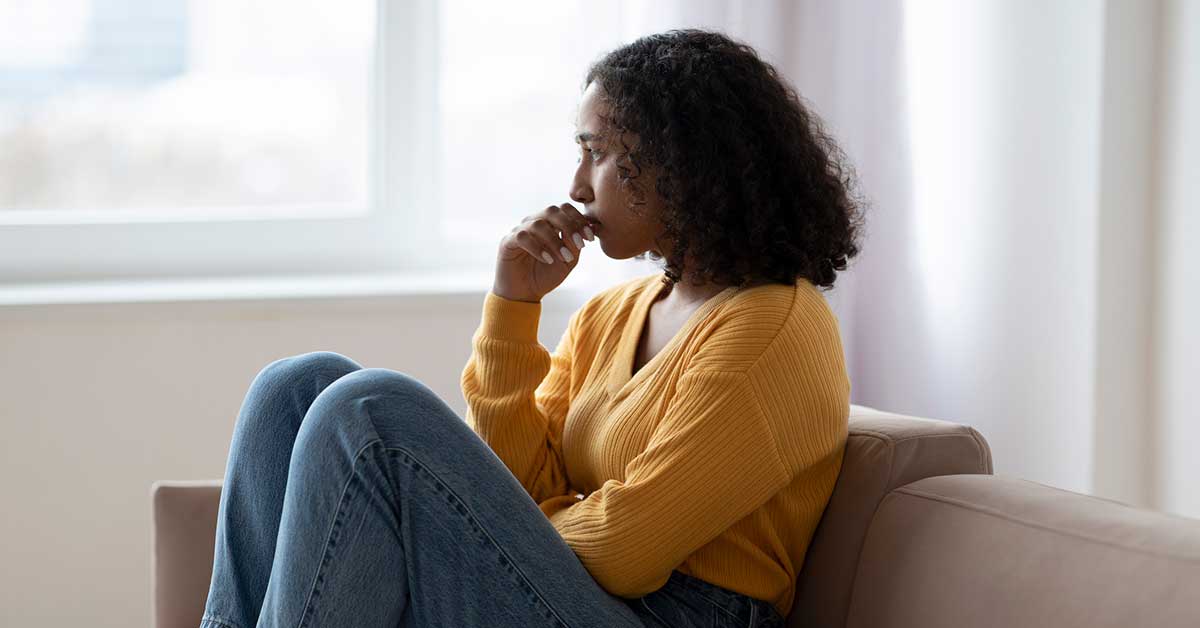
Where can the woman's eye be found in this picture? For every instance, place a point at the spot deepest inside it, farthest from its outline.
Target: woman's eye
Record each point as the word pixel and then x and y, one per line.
pixel 595 153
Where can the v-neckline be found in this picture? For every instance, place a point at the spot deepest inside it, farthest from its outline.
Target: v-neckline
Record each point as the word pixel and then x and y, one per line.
pixel 622 376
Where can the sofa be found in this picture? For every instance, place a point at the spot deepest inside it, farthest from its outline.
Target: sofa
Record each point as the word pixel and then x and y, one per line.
pixel 918 533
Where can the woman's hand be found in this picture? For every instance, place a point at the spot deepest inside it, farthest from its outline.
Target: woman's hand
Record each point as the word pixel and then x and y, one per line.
pixel 538 254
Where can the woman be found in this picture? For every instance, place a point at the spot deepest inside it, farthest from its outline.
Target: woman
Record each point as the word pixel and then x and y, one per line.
pixel 666 466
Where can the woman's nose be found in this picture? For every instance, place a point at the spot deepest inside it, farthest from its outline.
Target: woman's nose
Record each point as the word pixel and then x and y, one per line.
pixel 580 194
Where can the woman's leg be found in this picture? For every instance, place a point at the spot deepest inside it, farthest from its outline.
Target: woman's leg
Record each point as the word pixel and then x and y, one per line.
pixel 255 479
pixel 396 513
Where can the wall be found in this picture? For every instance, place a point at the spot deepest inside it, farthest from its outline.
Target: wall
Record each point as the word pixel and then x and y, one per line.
pixel 100 400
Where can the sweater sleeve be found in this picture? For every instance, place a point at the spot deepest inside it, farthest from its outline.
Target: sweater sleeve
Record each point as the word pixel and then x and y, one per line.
pixel 517 394
pixel 711 461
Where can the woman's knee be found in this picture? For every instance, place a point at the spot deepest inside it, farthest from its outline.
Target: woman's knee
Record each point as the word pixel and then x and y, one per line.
pixel 312 365
pixel 284 389
pixel 395 398
pixel 374 382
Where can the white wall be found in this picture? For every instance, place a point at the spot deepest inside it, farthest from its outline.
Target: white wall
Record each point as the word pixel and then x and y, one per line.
pixel 99 401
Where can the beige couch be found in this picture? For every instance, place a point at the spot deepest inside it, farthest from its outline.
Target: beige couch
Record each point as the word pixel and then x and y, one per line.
pixel 918 533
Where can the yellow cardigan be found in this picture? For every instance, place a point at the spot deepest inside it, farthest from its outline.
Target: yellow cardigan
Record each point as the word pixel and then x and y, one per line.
pixel 716 458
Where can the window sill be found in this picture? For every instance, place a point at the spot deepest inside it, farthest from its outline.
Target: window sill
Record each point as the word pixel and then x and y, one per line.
pixel 251 288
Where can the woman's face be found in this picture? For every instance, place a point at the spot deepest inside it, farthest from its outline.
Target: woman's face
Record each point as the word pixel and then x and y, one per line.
pixel 622 233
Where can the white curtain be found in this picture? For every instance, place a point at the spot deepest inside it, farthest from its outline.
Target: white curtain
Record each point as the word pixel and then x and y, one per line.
pixel 1029 266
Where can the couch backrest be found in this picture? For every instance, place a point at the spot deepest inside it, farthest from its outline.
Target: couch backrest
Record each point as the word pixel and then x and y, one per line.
pixel 884 451
pixel 987 551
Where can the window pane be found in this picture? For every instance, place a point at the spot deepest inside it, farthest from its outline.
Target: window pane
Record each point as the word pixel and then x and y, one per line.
pixel 510 83
pixel 168 106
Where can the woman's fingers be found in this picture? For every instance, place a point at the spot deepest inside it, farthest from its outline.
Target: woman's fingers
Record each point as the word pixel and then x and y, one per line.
pixel 570 224
pixel 556 234
pixel 548 233
pixel 533 246
pixel 581 223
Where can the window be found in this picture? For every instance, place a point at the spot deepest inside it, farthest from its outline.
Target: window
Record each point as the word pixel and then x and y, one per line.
pixel 175 138
pixel 158 106
pixel 530 79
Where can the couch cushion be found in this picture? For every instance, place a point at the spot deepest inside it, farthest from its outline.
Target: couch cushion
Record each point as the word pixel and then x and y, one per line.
pixel 1000 551
pixel 884 451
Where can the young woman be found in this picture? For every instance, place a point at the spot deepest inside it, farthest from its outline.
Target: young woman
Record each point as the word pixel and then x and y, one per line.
pixel 666 466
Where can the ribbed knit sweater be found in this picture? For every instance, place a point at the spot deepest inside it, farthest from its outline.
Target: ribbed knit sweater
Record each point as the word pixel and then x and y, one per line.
pixel 717 458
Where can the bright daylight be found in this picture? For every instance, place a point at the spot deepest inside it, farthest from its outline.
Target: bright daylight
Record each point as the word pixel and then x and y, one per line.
pixel 639 313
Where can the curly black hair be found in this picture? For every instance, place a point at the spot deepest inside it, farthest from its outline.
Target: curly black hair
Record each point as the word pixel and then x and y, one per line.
pixel 754 189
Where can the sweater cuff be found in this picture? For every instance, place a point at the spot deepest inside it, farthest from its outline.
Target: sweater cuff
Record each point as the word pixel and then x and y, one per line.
pixel 506 319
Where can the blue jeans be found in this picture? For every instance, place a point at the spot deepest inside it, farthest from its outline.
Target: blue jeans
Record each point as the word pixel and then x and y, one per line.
pixel 357 497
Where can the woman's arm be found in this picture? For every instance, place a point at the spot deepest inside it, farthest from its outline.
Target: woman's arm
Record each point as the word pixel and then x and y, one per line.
pixel 518 394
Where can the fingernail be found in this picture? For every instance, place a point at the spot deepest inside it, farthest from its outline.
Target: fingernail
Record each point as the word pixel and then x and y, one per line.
pixel 566 253
pixel 588 232
pixel 546 256
pixel 578 240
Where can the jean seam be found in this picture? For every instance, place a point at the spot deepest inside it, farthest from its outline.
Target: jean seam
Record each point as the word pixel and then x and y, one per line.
pixel 651 611
pixel 313 590
pixel 476 520
pixel 217 620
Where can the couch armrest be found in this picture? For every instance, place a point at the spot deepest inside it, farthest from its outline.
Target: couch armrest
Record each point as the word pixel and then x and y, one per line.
pixel 884 451
pixel 183 537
